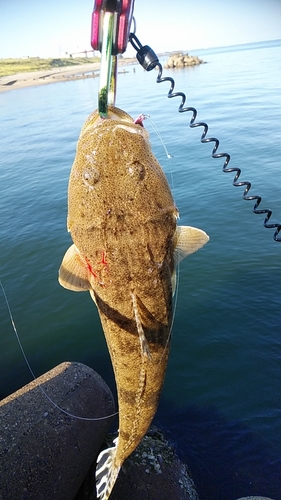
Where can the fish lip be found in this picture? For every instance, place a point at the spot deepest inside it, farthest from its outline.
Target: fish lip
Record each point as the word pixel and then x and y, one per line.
pixel 116 118
pixel 116 123
pixel 132 128
pixel 114 114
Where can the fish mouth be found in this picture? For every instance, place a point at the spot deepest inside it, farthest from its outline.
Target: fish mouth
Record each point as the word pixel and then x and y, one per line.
pixel 112 114
pixel 118 115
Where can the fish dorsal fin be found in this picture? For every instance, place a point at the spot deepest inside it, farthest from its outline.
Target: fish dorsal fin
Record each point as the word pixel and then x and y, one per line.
pixel 187 240
pixel 73 274
pixel 143 342
pixel 174 281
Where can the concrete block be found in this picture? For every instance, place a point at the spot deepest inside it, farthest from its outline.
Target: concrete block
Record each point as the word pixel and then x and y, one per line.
pixel 44 453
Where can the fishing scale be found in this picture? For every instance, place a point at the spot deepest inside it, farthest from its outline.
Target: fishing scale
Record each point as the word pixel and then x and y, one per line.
pixel 111 22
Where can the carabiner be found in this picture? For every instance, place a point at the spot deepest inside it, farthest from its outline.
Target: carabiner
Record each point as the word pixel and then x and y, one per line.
pixel 111 21
pixel 122 11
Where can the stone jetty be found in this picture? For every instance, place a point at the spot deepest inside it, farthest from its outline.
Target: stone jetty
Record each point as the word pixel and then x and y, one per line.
pixel 47 453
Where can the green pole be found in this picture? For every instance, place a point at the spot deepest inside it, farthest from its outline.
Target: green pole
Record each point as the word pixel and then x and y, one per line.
pixel 106 63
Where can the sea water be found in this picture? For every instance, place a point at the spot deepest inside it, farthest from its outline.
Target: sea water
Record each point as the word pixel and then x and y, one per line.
pixel 221 402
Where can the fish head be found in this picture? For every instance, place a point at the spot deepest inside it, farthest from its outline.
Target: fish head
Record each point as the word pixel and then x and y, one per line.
pixel 94 120
pixel 115 177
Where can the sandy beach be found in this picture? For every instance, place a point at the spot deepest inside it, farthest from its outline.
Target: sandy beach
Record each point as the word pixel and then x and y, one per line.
pixel 34 78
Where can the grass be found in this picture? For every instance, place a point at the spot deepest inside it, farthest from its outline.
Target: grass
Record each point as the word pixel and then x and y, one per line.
pixel 12 66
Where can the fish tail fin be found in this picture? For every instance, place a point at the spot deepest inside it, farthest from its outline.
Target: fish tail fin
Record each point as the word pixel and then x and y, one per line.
pixel 106 472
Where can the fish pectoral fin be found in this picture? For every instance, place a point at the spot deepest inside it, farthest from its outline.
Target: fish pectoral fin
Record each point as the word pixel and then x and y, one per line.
pixel 106 472
pixel 188 240
pixel 92 293
pixel 174 281
pixel 73 274
pixel 143 342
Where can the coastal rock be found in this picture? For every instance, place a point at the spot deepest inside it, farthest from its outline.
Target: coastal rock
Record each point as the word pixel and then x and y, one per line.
pixel 181 60
pixel 45 453
pixel 152 472
pixel 255 498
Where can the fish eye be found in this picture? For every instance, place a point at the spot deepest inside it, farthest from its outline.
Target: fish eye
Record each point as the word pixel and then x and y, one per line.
pixel 91 176
pixel 137 169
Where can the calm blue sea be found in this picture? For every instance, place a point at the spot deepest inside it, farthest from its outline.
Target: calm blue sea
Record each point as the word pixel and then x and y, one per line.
pixel 221 403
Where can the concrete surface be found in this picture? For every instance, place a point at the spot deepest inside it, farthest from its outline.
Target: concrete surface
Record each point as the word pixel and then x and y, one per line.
pixel 44 453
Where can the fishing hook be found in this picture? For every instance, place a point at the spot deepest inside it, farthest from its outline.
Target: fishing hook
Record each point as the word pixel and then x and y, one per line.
pixel 149 60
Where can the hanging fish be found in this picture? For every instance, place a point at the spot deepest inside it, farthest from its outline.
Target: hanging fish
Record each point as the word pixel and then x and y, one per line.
pixel 122 220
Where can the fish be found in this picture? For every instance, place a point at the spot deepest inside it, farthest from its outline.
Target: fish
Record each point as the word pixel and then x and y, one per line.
pixel 126 246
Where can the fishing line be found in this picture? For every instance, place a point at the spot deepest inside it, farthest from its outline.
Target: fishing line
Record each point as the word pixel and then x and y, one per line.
pixel 149 60
pixel 139 120
pixel 153 124
pixel 33 375
pixel 175 299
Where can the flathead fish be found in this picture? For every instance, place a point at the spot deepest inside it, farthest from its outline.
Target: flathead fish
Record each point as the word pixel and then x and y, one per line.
pixel 126 245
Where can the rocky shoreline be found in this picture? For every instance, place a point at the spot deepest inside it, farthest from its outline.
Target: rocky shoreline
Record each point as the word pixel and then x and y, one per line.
pixel 47 453
pixel 90 70
pixel 63 74
pixel 182 60
pixel 51 454
pixel 152 472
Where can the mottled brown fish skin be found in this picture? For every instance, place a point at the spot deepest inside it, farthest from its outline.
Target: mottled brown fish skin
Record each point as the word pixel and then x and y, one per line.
pixel 122 219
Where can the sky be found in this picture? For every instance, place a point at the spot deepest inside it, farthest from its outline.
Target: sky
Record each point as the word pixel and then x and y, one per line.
pixel 50 28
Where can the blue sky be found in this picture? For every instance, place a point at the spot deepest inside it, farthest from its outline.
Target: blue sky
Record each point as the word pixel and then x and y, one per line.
pixel 49 28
